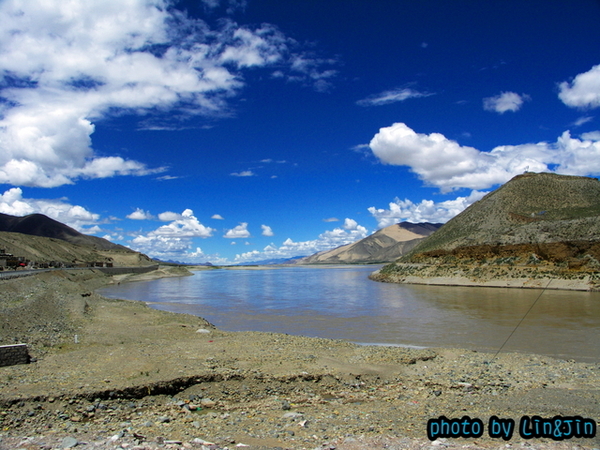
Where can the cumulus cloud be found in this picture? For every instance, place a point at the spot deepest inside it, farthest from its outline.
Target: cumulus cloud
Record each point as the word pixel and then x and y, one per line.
pixel 185 226
pixel 392 96
pixel 175 240
pixel 591 136
pixel 171 248
pixel 506 101
pixel 331 219
pixel 217 217
pixel 64 66
pixel 583 91
pixel 444 163
pixel 239 232
pixel 267 231
pixel 424 211
pixel 12 202
pixel 349 233
pixel 169 216
pixel 140 214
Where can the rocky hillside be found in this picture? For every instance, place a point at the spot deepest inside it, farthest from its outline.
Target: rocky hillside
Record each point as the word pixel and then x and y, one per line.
pixel 43 240
pixel 40 225
pixel 530 208
pixel 385 245
pixel 536 226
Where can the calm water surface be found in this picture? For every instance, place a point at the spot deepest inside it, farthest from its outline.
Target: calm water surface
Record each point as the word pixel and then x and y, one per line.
pixel 342 303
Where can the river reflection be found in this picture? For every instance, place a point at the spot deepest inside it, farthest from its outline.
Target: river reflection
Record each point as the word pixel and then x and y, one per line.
pixel 341 303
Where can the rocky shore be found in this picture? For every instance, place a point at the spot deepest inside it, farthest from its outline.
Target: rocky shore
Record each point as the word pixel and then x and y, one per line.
pixel 114 374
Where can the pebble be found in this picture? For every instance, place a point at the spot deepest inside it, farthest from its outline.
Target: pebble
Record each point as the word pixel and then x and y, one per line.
pixel 69 442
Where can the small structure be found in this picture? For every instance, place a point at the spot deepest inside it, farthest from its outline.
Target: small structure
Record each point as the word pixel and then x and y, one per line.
pixel 11 355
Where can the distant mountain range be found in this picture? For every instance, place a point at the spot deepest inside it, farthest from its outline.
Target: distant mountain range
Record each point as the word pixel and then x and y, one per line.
pixel 385 245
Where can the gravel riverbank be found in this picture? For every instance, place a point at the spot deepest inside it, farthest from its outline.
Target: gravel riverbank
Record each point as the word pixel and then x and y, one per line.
pixel 138 378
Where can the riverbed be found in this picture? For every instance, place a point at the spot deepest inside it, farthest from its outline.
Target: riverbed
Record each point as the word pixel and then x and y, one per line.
pixel 342 303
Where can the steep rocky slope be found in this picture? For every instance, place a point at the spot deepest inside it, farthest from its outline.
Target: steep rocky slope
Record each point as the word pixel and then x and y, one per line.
pixel 385 245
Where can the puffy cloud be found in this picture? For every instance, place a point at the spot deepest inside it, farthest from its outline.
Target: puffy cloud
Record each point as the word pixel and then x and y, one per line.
pixel 169 216
pixel 267 231
pixel 506 101
pixel 351 232
pixel 175 240
pixel 66 65
pixel 239 232
pixel 217 217
pixel 392 96
pixel 591 136
pixel 140 214
pixel 187 226
pixel 171 248
pixel 425 211
pixel 444 163
pixel 583 91
pixel 13 203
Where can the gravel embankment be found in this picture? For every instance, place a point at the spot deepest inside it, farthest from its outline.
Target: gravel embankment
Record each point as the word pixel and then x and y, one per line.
pixel 138 378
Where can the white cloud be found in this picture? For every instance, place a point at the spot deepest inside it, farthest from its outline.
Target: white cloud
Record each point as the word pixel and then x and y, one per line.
pixel 75 216
pixel 582 121
pixel 425 211
pixel 351 232
pixel 331 219
pixel 169 216
pixel 444 163
pixel 239 232
pixel 170 248
pixel 506 101
pixel 175 240
pixel 267 231
pixel 186 226
pixel 583 91
pixel 67 65
pixel 245 173
pixel 392 96
pixel 306 69
pixel 217 217
pixel 92 230
pixel 591 136
pixel 140 214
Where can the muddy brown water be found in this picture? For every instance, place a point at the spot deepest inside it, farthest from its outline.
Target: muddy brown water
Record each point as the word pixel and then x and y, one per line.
pixel 342 303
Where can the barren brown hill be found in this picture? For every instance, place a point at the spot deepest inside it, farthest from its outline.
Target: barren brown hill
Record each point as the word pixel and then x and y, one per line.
pixel 530 208
pixel 42 239
pixel 45 250
pixel 41 225
pixel 537 226
pixel 385 245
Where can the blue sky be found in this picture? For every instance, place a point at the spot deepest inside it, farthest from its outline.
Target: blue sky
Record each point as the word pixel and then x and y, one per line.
pixel 232 131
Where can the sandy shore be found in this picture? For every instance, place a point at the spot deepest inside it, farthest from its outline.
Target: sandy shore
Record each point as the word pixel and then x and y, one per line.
pixel 138 378
pixel 481 275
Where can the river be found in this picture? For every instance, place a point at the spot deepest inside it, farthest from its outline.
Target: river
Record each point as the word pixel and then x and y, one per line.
pixel 342 303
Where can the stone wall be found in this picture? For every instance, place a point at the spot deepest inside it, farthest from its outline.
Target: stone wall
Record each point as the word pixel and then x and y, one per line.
pixel 11 355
